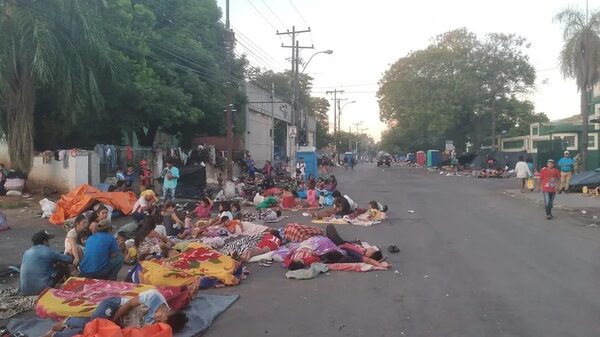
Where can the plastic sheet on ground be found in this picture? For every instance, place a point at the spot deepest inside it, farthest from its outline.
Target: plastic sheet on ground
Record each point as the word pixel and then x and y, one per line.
pixel 83 197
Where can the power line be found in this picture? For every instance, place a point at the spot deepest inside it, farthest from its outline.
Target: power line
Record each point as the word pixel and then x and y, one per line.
pixel 275 15
pixel 297 11
pixel 304 21
pixel 254 45
pixel 262 15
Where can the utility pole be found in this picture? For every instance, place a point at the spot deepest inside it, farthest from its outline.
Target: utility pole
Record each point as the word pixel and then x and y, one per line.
pixel 272 122
pixel 336 108
pixel 295 46
pixel 228 113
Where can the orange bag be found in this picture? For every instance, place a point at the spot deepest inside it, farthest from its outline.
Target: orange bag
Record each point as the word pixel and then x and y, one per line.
pixel 104 328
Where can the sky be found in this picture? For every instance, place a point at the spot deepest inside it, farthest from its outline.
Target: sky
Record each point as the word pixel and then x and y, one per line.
pixel 368 36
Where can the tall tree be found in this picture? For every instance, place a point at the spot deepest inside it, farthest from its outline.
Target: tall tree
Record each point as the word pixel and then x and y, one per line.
pixel 56 45
pixel 580 59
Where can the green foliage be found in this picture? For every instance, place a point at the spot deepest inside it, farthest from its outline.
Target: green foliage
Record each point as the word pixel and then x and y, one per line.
pixel 57 47
pixel 580 59
pixel 167 72
pixel 457 89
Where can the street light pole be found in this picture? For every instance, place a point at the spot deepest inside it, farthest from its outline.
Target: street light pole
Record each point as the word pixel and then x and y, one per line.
pixel 329 52
pixel 340 113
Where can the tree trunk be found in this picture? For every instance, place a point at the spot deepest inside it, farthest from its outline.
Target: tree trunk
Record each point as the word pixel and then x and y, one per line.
pixel 494 146
pixel 583 146
pixel 20 103
pixel 147 138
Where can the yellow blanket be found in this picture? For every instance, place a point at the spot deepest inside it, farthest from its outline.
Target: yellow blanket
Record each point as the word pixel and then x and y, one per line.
pixel 197 261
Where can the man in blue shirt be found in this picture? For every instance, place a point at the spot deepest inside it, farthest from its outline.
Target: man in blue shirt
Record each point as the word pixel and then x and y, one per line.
pixel 41 267
pixel 566 165
pixel 171 174
pixel 102 258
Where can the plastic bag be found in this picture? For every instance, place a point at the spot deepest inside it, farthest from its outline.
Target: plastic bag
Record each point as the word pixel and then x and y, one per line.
pixel 530 184
pixel 48 208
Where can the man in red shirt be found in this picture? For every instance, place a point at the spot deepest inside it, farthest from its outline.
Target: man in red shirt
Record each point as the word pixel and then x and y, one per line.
pixel 549 181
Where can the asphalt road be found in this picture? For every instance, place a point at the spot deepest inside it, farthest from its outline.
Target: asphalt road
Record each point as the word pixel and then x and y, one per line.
pixel 474 262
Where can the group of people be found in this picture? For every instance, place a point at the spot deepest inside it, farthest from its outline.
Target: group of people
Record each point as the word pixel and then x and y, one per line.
pixel 126 179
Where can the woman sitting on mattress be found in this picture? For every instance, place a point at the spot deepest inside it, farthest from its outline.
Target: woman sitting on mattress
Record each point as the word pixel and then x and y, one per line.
pixel 149 243
pixel 147 308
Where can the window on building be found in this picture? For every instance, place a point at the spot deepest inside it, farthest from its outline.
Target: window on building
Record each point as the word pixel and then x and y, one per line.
pixel 591 141
pixel 569 141
pixel 535 131
pixel 534 144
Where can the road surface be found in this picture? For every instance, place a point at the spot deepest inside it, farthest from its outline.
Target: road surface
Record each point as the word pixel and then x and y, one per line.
pixel 474 262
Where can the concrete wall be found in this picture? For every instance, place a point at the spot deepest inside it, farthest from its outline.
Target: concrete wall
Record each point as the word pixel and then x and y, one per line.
pixel 258 137
pixel 80 170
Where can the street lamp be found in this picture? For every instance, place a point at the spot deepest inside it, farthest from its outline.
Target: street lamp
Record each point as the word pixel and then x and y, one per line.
pixel 339 126
pixel 329 52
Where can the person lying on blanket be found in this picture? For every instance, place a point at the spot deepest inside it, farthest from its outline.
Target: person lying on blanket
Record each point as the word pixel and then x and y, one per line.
pixel 324 249
pixel 270 242
pixel 357 251
pixel 147 308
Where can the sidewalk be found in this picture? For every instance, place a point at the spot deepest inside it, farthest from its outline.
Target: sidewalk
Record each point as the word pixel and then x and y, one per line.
pixel 568 202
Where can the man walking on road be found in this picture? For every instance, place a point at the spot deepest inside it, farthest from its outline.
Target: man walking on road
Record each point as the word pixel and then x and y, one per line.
pixel 566 164
pixel 523 172
pixel 549 177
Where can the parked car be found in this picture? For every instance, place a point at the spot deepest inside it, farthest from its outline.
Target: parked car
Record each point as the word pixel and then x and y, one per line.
pixel 384 159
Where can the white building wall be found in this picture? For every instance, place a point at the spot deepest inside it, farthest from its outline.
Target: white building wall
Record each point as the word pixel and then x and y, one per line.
pixel 258 138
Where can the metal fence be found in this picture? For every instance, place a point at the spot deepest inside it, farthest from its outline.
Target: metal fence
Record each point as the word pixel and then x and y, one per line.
pixel 123 157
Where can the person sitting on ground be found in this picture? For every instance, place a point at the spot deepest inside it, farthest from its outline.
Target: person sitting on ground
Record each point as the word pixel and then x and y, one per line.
pixel 374 212
pixel 224 209
pixel 41 266
pixel 310 181
pixel 117 309
pixel 236 211
pixel 144 205
pixel 312 196
pixel 121 238
pixel 72 243
pixel 170 220
pixel 231 224
pixel 82 237
pixel 149 243
pixel 270 242
pixel 187 227
pixel 102 258
pixel 321 199
pixel 333 182
pixel 356 252
pixel 101 213
pixel 320 184
pixel 203 209
pixel 341 207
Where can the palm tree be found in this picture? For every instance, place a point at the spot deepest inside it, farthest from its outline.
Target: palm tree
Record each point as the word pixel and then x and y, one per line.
pixel 580 59
pixel 51 45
